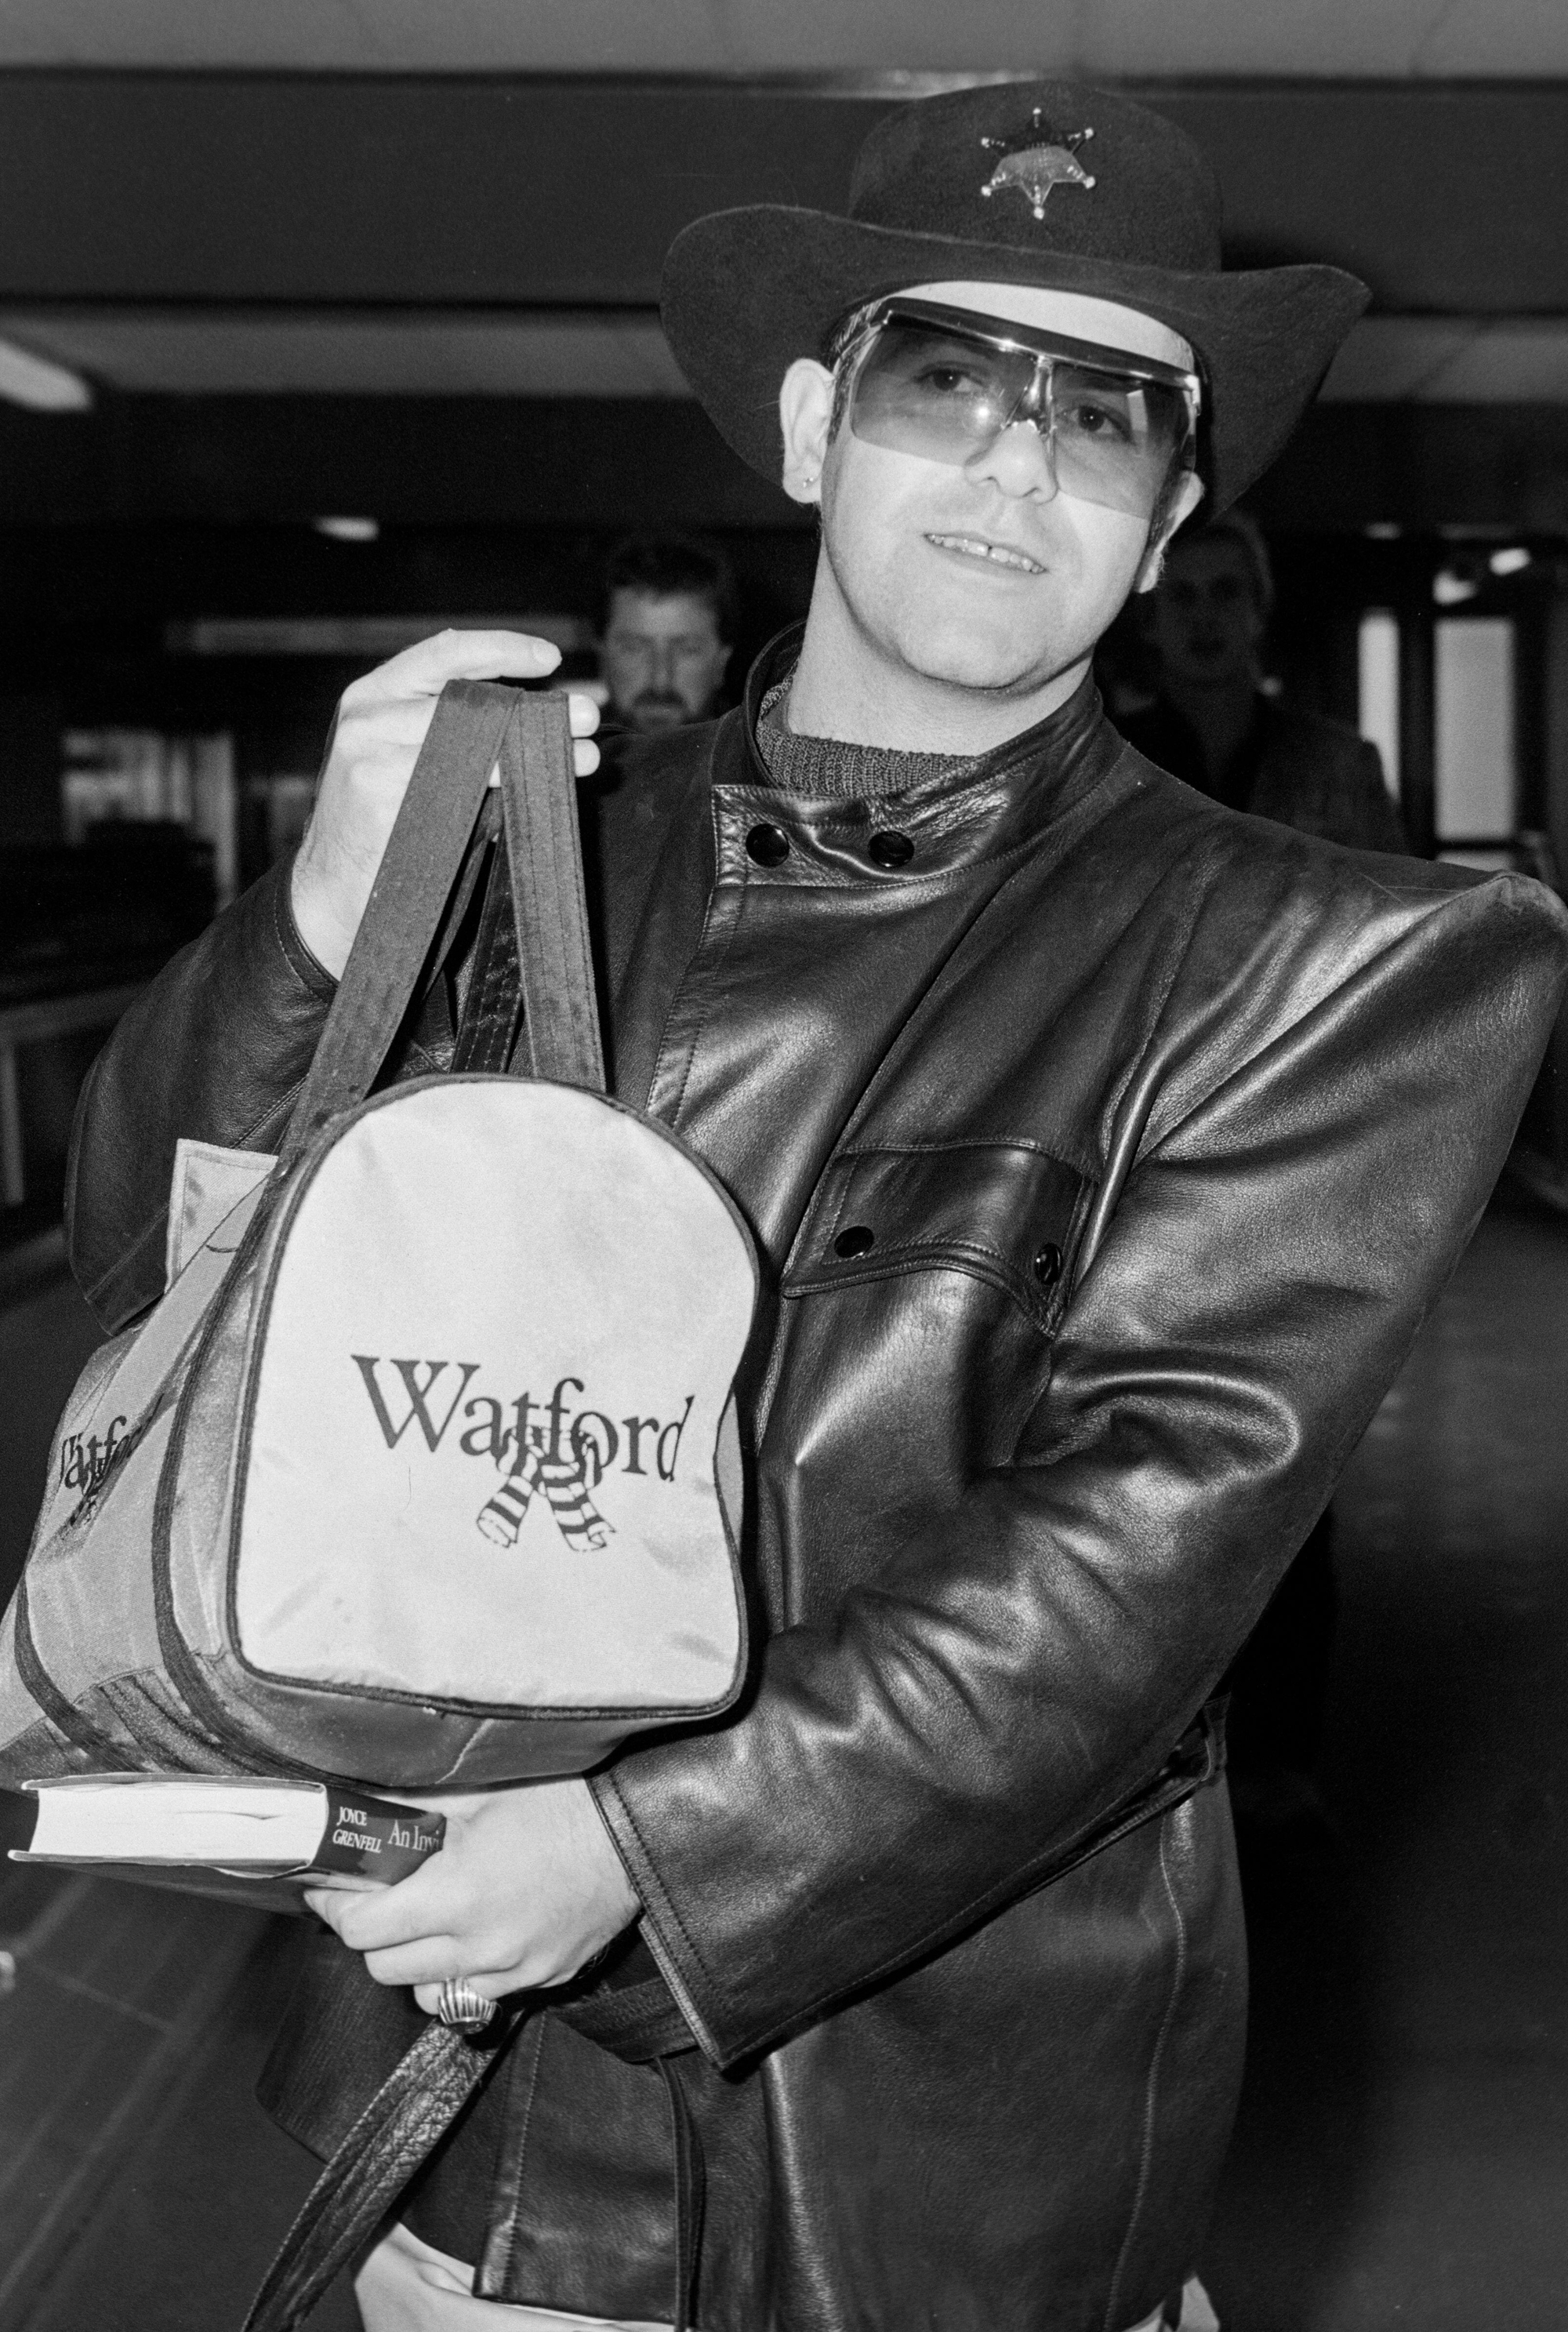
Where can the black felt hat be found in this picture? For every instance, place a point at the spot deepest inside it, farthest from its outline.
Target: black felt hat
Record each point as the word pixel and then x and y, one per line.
pixel 1044 182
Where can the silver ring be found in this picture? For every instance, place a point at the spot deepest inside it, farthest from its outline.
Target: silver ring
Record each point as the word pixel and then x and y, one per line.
pixel 460 2004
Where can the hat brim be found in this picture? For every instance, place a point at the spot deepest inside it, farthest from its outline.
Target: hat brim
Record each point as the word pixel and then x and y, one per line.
pixel 747 292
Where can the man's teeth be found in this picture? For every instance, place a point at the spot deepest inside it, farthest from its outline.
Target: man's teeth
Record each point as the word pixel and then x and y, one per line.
pixel 974 548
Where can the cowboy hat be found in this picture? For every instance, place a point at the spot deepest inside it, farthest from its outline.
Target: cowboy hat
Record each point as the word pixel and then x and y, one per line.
pixel 1045 184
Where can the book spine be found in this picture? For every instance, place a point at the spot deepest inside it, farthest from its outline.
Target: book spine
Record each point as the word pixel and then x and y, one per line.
pixel 373 1838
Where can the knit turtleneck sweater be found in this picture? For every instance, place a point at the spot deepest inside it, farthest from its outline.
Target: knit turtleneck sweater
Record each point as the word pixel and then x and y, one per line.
pixel 828 765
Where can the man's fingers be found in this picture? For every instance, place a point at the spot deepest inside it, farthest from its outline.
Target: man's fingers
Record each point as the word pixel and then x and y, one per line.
pixel 433 1960
pixel 585 715
pixel 424 669
pixel 370 1922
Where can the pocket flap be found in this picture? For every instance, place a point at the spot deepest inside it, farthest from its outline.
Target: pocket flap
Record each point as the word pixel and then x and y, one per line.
pixel 1001 1211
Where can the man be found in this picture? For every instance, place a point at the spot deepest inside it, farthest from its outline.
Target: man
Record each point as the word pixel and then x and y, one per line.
pixel 1103 1152
pixel 1211 723
pixel 666 630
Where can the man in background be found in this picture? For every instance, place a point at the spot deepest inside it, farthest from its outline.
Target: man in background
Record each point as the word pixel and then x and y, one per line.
pixel 666 632
pixel 1212 725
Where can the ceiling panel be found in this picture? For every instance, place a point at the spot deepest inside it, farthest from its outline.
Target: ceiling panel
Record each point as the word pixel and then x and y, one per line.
pixel 1490 38
pixel 1449 361
pixel 323 352
pixel 1524 363
pixel 1389 359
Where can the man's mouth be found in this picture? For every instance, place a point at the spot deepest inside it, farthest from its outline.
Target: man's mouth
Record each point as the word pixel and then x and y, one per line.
pixel 999 554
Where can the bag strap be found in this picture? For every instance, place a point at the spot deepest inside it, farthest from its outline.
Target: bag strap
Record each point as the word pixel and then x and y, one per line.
pixel 476 725
pixel 411 2109
pixel 544 856
pixel 419 2102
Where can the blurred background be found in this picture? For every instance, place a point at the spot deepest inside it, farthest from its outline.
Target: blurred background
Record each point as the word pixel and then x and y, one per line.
pixel 324 324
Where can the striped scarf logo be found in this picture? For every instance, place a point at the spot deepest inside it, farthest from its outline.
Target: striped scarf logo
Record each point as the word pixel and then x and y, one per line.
pixel 544 1449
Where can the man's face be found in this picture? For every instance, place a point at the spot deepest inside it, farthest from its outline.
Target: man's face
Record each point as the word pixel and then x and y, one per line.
pixel 662 658
pixel 1205 620
pixel 984 577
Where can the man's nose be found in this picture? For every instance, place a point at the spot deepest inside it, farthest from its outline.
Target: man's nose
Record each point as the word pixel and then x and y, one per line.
pixel 1021 459
pixel 664 664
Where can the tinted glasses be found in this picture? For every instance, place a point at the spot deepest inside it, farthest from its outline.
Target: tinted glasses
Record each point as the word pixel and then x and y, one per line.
pixel 941 384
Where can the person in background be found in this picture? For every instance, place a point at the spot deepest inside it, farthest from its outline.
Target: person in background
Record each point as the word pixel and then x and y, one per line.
pixel 1213 726
pixel 667 632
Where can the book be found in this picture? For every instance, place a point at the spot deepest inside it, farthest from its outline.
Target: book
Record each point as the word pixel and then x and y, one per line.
pixel 252 1840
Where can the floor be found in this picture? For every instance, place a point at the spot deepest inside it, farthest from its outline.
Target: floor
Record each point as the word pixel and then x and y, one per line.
pixel 1401 2156
pixel 141 2189
pixel 1401 2153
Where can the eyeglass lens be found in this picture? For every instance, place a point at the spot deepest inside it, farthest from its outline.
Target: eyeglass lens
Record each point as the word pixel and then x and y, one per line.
pixel 921 390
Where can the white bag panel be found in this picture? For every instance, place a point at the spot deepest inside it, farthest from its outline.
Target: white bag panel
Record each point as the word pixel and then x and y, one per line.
pixel 208 1183
pixel 387 1538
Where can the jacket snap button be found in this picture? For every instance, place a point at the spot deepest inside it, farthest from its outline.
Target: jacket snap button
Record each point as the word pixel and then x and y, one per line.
pixel 768 845
pixel 1048 1263
pixel 890 849
pixel 855 1240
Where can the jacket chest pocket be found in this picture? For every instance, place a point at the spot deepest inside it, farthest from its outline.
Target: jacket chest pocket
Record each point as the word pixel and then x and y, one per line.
pixel 1003 1211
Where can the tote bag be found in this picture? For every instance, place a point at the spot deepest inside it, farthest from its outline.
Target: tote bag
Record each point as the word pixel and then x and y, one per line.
pixel 425 1471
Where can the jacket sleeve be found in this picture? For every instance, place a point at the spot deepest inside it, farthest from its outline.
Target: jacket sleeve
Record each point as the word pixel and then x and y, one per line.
pixel 216 1050
pixel 1293 1202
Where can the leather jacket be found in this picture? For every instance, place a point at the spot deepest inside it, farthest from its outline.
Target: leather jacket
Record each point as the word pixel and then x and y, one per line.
pixel 1104 1157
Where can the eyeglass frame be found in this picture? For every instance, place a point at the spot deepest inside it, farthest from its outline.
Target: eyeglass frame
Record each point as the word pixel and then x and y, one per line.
pixel 851 343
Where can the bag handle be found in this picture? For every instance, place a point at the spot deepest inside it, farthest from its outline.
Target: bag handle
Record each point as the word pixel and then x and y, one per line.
pixel 476 726
pixel 409 2114
pixel 544 854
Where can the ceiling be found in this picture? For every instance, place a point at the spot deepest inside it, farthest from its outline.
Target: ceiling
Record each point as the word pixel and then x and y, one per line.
pixel 254 255
pixel 1342 39
pixel 227 233
pixel 241 191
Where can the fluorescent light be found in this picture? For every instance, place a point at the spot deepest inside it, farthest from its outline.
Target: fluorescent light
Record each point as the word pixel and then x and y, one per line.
pixel 1377 664
pixel 1381 530
pixel 1510 561
pixel 34 381
pixel 1450 589
pixel 349 529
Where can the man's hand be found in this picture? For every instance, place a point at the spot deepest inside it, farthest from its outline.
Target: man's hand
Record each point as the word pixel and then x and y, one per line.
pixel 380 727
pixel 527 1888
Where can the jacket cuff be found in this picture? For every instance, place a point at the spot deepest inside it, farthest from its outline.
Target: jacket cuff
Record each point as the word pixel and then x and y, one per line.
pixel 688 1981
pixel 307 968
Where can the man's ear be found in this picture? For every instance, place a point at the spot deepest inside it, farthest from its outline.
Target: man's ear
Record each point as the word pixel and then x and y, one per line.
pixel 806 418
pixel 1181 505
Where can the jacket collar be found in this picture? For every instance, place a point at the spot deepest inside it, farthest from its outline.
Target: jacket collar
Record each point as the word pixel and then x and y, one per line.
pixel 991 804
